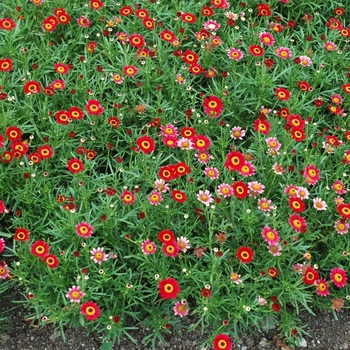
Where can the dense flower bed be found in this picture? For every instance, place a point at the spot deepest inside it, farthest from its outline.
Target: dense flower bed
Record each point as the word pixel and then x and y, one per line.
pixel 169 158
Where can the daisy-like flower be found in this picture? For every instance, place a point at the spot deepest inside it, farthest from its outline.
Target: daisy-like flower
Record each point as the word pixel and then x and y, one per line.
pixel 337 304
pixel 265 111
pixel 84 229
pixel 183 243
pixel 236 278
pixel 330 46
pixel 245 254
pixel 339 187
pixel 98 255
pixel 203 157
pixel 305 61
pixel 255 188
pixel 180 79
pixel 4 271
pixel 128 197
pixel 336 99
pixel 275 250
pixel 117 78
pixel 273 143
pixel 247 169
pixel 75 294
pixel 168 130
pixel 278 169
pixel 161 185
pixel 180 308
pixel 211 25
pixel 266 38
pixel 310 276
pixel 302 193
pixel 212 173
pixel 298 223
pixel 231 15
pixel 322 287
pixel 222 342
pixel 148 247
pixel 91 310
pixel 225 190
pixel 237 133
pixel 270 235
pixel 2 245
pixel 205 197
pixel 264 204
pixel 169 288
pixel 185 143
pixel 284 53
pixel 311 174
pixel 341 226
pixel 338 277
pixel 319 204
pixel 235 54
pixel 155 198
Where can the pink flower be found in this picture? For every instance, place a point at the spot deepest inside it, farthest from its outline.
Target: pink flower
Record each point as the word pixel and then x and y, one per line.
pixel 75 294
pixel 337 304
pixel 341 226
pixel 168 130
pixel 319 204
pixel 211 25
pixel 270 235
pixel 98 255
pixel 275 250
pixel 148 247
pixel 235 54
pixel 212 173
pixel 84 229
pixel 205 197
pixel 83 22
pixel 330 46
pixel 311 174
pixel 305 61
pixel 183 243
pixel 236 278
pixel 266 38
pixel 338 277
pixel 339 187
pixel 322 287
pixel 302 193
pixel 261 301
pixel 117 78
pixel 264 204
pixel 225 190
pixel 237 133
pixel 273 143
pixel 155 198
pixel 284 53
pixel 4 271
pixel 180 308
pixel 255 188
pixel 247 169
pixel 161 185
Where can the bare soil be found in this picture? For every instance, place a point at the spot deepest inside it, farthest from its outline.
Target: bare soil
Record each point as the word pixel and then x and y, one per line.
pixel 326 333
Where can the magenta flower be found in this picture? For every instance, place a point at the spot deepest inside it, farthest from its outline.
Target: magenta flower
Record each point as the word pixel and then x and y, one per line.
pixel 270 235
pixel 180 308
pixel 84 229
pixel 75 294
pixel 98 255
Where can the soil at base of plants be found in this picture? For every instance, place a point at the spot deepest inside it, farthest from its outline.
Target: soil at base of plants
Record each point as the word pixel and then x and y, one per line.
pixel 326 333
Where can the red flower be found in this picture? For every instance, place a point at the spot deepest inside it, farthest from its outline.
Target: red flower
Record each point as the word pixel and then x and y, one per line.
pixel 31 87
pixel 298 134
pixel 207 11
pixel 62 117
pixel 50 23
pixel 61 68
pixel 136 40
pixel 234 161
pixel 126 11
pixel 222 342
pixel 91 310
pixel 296 204
pixel 262 126
pixel 245 254
pixel 256 50
pixel 167 35
pixel 189 132
pixel 128 197
pixel 344 210
pixel 189 57
pixel 21 234
pixel 166 236
pixel 188 17
pixel 75 165
pixel 310 276
pixel 75 113
pixel 13 133
pixel 295 121
pixel 6 65
pixel 264 10
pixel 40 248
pixel 167 173
pixel 206 293
pixel 51 261
pixel 282 94
pixel 195 69
pixel 142 13
pixel 346 88
pixel 96 4
pixel 148 23
pixel 240 189
pixel 178 196
pixel 146 144
pixel 169 288
pixel 171 249
pixel 272 272
pixel 45 152
pixel 7 24
pixel 298 223
pixel 213 106
pixel 201 142
pixel 94 107
pixel 304 85
pixel 276 307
